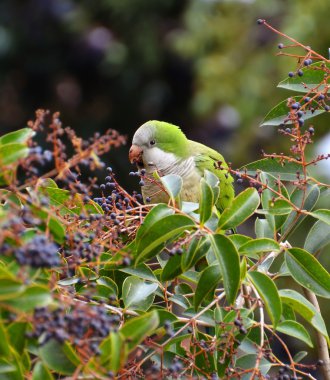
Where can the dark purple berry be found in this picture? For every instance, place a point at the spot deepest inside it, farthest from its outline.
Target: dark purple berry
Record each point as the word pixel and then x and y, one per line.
pixel 148 199
pixel 291 74
pixel 295 106
pixel 300 73
pixel 301 122
pixel 260 21
pixel 327 108
pixel 321 97
pixel 141 183
pixel 280 46
pixel 307 99
pixel 311 130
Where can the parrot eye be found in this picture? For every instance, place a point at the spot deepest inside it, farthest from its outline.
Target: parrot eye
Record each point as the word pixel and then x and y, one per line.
pixel 152 142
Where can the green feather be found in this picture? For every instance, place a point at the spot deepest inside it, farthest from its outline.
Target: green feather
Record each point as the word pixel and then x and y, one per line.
pixel 207 158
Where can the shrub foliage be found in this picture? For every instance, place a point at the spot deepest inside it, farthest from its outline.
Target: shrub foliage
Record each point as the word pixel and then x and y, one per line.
pixel 95 284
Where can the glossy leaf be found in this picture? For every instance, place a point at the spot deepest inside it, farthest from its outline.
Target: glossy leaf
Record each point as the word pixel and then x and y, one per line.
pixel 308 272
pixel 313 75
pixel 142 271
pixel 138 294
pixel 322 214
pixel 303 307
pixel 172 268
pixel 207 282
pixel 10 288
pixel 279 113
pixel 228 259
pixel 242 207
pixel 304 200
pixel 66 204
pixel 156 213
pixel 169 227
pixel 33 296
pixel 213 181
pixel 197 249
pixel 138 328
pixel 263 229
pixel 249 362
pixel 11 153
pixel 318 237
pixel 296 330
pixel 269 294
pixel 239 240
pixel 52 354
pixel 41 372
pixel 206 201
pixel 19 136
pixel 285 171
pixel 259 246
pixel 267 198
pixel 173 184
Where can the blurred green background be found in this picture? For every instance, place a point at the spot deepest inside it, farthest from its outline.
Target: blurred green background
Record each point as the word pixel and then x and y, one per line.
pixel 202 64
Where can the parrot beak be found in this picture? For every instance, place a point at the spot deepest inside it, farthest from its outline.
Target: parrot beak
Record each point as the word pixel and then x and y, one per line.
pixel 135 154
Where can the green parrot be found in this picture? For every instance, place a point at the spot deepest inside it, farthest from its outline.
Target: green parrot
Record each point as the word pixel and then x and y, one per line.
pixel 163 147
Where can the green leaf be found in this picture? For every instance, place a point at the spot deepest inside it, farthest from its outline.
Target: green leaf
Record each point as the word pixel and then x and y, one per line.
pixel 20 136
pixel 299 356
pixel 313 75
pixel 285 171
pixel 197 249
pixel 173 184
pixel 13 152
pixel 142 271
pixel 318 237
pixel 10 288
pixel 249 362
pixel 51 221
pixel 239 240
pixel 138 294
pixel 305 200
pixel 16 332
pixel 4 341
pixel 268 196
pixel 260 246
pixel 113 353
pixel 305 309
pixel 279 207
pixel 138 328
pixel 322 214
pixel 241 208
pixel 214 182
pixel 34 296
pixel 172 268
pixel 279 113
pixel 228 259
pixel 206 201
pixel 263 229
pixel 296 330
pixel 207 282
pixel 268 293
pixel 54 357
pixel 167 228
pixel 106 287
pixel 308 272
pixel 156 213
pixel 65 202
pixel 41 372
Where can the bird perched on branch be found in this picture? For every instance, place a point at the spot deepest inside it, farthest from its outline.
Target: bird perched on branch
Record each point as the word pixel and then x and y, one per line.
pixel 164 148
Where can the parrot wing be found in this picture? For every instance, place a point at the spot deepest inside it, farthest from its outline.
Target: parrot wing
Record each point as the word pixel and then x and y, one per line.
pixel 207 158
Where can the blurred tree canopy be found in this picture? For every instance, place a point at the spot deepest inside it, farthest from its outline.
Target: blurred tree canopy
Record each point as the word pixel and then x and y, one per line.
pixel 201 64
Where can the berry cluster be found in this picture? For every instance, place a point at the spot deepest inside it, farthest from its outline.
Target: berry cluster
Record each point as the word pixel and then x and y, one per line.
pixel 39 252
pixel 83 325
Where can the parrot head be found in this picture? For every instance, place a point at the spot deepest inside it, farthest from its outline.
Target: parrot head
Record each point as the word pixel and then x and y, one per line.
pixel 157 144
